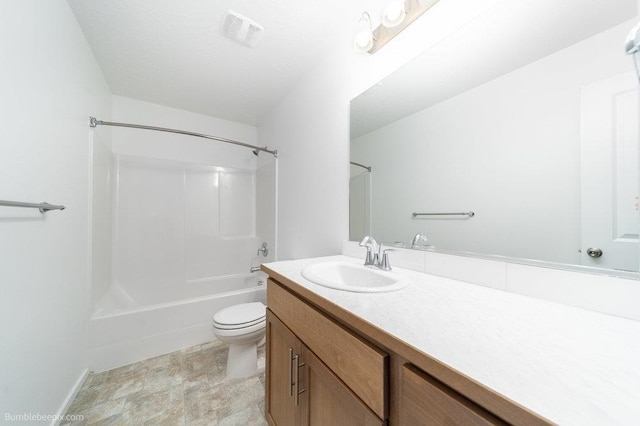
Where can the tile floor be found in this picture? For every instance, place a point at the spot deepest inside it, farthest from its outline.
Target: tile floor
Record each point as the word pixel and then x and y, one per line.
pixel 187 387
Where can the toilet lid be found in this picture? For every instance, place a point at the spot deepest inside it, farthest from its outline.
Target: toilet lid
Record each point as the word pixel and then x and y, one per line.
pixel 243 313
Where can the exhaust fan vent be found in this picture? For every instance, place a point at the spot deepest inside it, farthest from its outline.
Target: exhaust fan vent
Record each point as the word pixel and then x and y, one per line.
pixel 241 29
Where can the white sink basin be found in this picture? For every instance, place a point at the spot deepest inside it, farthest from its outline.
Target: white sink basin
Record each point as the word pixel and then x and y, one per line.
pixel 353 277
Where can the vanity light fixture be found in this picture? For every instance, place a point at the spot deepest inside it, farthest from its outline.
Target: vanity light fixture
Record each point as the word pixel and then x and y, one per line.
pixel 632 46
pixel 363 40
pixel 397 15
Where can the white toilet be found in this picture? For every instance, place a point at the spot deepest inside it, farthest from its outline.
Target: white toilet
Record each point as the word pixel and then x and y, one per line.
pixel 243 328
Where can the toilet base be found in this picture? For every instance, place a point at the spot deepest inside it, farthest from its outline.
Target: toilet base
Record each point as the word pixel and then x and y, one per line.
pixel 242 360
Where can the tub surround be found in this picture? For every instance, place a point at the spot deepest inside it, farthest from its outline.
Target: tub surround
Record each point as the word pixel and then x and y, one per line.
pixel 134 335
pixel 566 364
pixel 185 230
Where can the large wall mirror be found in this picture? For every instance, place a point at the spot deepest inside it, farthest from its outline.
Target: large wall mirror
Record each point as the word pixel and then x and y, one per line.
pixel 527 117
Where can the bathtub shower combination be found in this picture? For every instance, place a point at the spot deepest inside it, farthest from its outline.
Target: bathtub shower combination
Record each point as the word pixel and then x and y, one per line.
pixel 184 238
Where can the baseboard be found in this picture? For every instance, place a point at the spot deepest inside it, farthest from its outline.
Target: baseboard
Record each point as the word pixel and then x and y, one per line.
pixel 70 397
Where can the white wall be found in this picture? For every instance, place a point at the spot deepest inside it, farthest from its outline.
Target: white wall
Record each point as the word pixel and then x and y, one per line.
pixel 172 146
pixel 50 84
pixel 310 128
pixel 509 150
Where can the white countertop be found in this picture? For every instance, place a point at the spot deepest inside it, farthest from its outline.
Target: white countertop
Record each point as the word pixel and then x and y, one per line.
pixel 569 365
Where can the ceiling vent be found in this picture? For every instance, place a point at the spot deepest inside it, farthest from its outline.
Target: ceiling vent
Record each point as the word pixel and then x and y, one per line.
pixel 241 29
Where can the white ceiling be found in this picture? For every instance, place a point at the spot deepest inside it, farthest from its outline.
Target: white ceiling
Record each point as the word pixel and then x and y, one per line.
pixel 171 52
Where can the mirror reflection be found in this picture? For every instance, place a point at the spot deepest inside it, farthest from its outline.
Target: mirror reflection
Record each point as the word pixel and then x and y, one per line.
pixel 527 117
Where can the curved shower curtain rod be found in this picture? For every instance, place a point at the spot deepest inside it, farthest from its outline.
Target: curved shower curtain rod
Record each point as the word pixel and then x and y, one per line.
pixel 360 165
pixel 94 122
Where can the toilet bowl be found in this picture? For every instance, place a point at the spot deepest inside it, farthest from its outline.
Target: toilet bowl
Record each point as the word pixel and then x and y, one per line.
pixel 243 327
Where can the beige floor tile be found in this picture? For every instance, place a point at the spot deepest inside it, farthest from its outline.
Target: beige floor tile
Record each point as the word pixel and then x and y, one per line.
pixel 191 350
pixel 240 394
pixel 159 362
pixel 176 392
pixel 213 344
pixel 145 407
pixel 114 420
pixel 196 366
pixel 89 397
pixel 119 373
pixel 96 379
pixel 249 416
pixel 219 354
pixel 203 403
pixel 105 410
pixel 161 380
pixel 129 385
pixel 217 376
pixel 187 387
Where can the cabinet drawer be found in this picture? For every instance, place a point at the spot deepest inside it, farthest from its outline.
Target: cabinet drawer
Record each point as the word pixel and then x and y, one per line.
pixel 426 401
pixel 361 366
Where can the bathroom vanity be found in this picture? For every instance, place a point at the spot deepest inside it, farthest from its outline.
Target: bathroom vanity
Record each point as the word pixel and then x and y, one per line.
pixel 440 352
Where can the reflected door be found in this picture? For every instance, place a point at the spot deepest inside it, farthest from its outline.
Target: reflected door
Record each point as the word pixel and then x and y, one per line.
pixel 609 173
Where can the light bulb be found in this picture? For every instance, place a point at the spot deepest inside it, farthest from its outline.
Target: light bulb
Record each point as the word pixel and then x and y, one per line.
pixel 394 14
pixel 363 40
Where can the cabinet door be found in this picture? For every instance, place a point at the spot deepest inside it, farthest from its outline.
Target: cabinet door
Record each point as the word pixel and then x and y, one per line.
pixel 426 401
pixel 281 347
pixel 326 400
pixel 360 365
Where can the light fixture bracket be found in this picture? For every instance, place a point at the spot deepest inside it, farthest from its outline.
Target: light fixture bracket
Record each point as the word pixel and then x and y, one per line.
pixel 414 9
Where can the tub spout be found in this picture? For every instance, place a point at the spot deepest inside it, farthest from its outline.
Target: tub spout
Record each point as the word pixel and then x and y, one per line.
pixel 254 269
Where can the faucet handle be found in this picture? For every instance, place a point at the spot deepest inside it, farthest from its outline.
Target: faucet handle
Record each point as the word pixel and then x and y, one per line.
pixel 385 265
pixel 369 258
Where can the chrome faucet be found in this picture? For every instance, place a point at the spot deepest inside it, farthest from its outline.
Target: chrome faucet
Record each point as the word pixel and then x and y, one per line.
pixel 374 250
pixel 264 249
pixel 419 241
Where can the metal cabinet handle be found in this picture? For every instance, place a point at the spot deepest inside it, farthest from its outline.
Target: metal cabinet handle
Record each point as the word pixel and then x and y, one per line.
pixel 297 390
pixel 291 358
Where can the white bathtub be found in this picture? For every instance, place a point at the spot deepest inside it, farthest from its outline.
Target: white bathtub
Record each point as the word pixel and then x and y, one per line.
pixel 124 329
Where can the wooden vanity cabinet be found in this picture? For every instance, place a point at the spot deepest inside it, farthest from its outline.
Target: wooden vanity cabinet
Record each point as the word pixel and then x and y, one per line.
pixel 325 367
pixel 302 390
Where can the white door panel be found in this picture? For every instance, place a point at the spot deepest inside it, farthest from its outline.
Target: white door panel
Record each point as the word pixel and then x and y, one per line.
pixel 609 172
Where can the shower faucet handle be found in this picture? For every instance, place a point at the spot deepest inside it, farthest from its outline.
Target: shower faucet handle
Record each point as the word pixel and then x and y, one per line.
pixel 263 249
